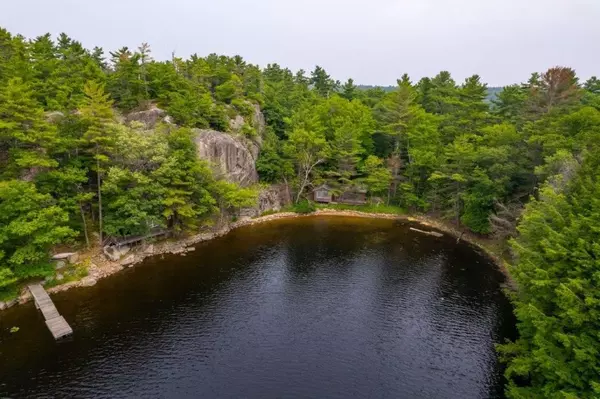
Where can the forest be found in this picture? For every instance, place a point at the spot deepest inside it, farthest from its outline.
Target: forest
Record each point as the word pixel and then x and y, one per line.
pixel 523 168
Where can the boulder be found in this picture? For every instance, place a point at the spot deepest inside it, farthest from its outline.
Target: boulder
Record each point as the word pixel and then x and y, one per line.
pixel 149 118
pixel 128 261
pixel 115 252
pixel 8 304
pixel 63 255
pixel 230 156
pixel 60 264
pixel 54 116
pixel 73 259
pixel 88 281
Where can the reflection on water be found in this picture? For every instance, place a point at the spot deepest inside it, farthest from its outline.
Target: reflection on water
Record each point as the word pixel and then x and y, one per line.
pixel 311 307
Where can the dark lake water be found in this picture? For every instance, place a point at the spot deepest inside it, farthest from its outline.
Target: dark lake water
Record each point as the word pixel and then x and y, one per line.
pixel 321 307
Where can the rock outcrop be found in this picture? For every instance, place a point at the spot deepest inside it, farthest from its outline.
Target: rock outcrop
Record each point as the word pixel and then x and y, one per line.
pixel 232 155
pixel 232 158
pixel 149 118
pixel 272 198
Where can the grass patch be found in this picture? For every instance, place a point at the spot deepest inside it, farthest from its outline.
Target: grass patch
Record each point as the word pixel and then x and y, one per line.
pixel 69 273
pixel 367 208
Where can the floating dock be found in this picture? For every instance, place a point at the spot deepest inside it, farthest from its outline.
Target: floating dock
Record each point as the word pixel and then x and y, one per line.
pixel 57 324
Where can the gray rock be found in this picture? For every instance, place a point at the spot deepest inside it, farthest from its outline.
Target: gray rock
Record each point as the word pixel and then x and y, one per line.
pixel 73 259
pixel 272 198
pixel 60 264
pixel 114 253
pixel 59 277
pixel 54 116
pixel 230 156
pixel 88 281
pixel 128 261
pixel 8 304
pixel 63 255
pixel 149 250
pixel 236 123
pixel 148 118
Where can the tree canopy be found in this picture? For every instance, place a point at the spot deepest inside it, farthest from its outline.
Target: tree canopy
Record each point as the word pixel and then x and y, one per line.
pixel 522 164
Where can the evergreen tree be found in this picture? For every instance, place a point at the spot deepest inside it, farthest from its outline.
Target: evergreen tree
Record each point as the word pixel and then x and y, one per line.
pixel 349 90
pixel 25 135
pixel 97 112
pixel 30 224
pixel 557 302
pixel 322 82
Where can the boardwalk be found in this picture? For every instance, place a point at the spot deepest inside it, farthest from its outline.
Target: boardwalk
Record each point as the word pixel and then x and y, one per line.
pixel 57 324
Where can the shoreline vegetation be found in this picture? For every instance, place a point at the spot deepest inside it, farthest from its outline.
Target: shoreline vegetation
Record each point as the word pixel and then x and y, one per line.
pixel 98 266
pixel 96 148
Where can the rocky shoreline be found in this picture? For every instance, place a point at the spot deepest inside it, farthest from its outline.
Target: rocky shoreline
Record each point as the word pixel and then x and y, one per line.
pixel 101 267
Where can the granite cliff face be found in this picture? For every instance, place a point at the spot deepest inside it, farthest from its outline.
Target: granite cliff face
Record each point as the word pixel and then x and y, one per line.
pixel 232 155
pixel 232 158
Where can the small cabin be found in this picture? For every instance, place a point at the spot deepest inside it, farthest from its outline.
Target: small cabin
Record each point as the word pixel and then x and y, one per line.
pixel 353 196
pixel 323 194
pixel 350 196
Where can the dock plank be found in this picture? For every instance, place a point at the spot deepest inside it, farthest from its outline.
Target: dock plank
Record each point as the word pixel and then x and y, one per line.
pixel 57 324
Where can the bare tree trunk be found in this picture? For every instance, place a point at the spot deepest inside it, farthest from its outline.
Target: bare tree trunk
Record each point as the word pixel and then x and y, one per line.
pixel 305 180
pixel 85 232
pixel 99 182
pixel 287 188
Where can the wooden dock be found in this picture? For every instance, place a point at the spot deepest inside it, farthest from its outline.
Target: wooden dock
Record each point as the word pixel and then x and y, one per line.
pixel 57 324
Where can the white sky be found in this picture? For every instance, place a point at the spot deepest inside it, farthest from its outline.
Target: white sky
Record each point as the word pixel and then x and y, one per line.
pixel 372 41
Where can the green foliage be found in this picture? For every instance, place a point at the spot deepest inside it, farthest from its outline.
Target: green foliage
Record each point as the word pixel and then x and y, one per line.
pixel 190 108
pixel 70 273
pixel 557 303
pixel 378 177
pixel 437 146
pixel 24 133
pixel 30 224
pixel 229 90
pixel 304 206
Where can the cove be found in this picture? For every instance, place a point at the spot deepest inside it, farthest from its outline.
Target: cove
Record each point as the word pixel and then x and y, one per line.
pixel 309 307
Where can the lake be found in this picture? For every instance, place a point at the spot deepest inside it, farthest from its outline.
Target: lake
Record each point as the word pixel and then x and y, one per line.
pixel 328 307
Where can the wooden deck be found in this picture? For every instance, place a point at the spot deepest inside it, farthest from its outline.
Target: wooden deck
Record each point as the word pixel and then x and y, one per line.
pixel 57 324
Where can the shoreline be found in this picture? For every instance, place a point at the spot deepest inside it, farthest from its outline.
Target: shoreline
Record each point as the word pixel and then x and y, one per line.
pixel 100 267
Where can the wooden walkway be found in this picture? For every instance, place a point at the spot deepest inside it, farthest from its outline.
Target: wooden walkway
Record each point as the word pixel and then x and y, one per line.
pixel 57 324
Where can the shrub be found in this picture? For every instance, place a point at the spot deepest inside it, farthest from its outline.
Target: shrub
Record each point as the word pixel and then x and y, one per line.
pixel 304 207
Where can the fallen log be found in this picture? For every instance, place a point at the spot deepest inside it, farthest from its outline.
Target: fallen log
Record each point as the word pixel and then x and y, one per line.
pixel 429 233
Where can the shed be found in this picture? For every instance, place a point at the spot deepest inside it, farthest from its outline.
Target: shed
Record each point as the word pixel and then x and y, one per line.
pixel 353 196
pixel 322 194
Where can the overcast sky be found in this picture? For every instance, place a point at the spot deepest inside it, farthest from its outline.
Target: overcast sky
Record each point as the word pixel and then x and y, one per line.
pixel 372 41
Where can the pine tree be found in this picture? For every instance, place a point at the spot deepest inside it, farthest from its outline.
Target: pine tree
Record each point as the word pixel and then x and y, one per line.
pixel 30 224
pixel 322 82
pixel 97 112
pixel 557 302
pixel 25 136
pixel 349 90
